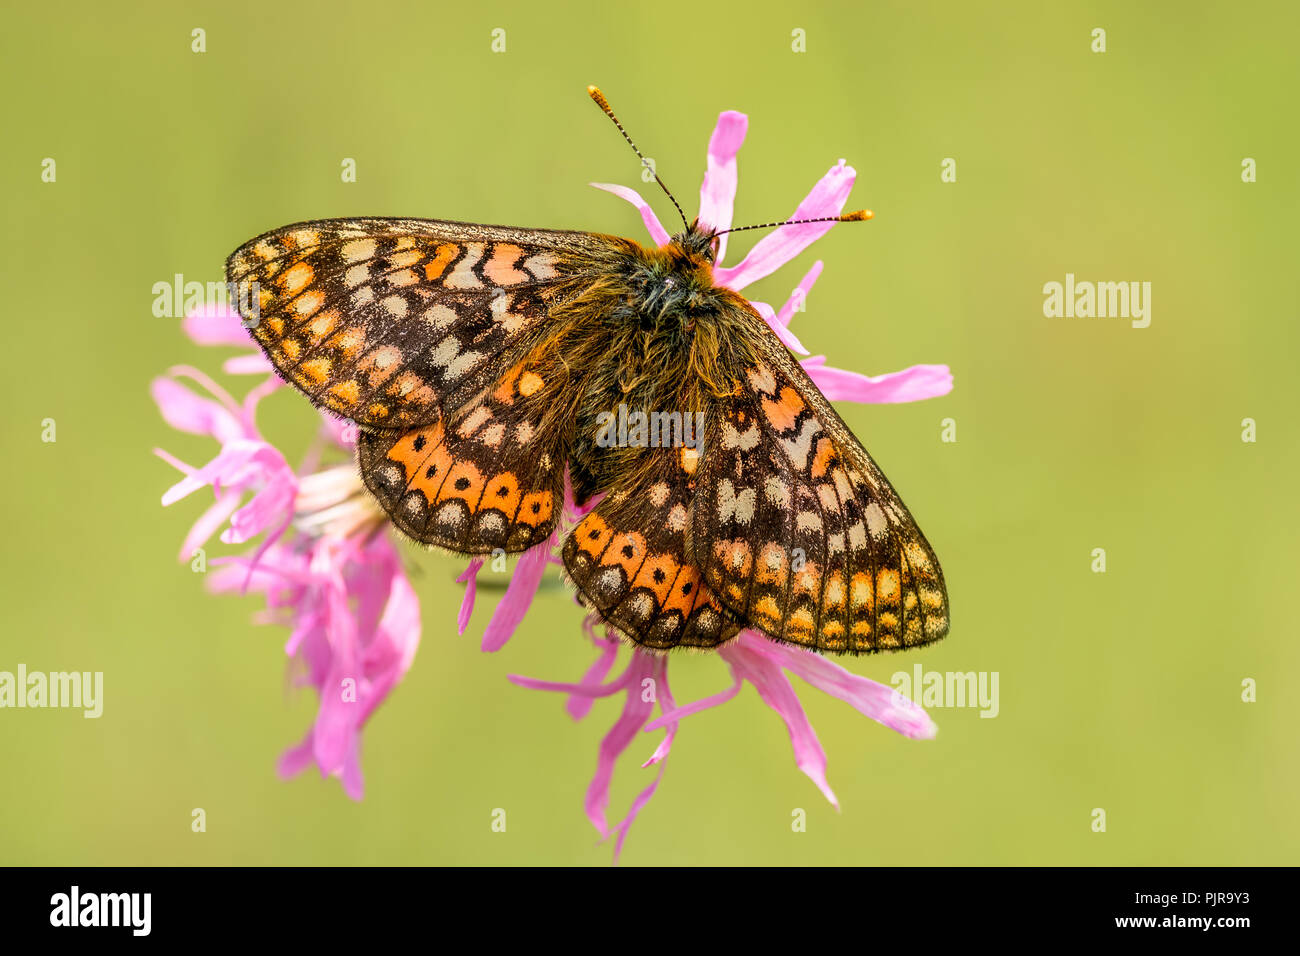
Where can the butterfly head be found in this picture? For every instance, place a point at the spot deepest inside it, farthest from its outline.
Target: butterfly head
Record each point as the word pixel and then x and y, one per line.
pixel 698 242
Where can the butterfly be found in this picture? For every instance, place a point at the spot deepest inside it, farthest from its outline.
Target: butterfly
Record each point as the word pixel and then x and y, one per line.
pixel 485 364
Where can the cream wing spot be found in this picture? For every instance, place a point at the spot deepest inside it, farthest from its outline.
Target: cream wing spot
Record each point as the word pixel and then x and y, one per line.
pixel 462 274
pixel 358 250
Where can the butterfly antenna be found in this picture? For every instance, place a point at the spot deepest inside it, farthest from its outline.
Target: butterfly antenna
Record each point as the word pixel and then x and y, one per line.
pixel 861 215
pixel 599 97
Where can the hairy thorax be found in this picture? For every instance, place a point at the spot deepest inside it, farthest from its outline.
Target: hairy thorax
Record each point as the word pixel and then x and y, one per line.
pixel 653 335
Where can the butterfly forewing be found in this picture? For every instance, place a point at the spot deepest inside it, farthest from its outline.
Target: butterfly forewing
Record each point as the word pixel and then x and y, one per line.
pixel 798 531
pixel 394 322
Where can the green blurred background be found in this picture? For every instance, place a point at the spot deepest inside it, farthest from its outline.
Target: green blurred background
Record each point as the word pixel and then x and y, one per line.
pixel 1119 690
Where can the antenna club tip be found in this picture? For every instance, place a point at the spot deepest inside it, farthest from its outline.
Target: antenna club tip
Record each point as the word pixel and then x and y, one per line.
pixel 595 93
pixel 860 215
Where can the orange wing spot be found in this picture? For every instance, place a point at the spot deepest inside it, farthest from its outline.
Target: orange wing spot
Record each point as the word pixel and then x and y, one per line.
pixel 296 279
pixel 529 383
pixel 349 342
pixel 464 482
pixel 784 412
pixel 766 607
pixel 292 348
pixel 800 626
pixel 686 592
pixel 808 579
pixel 503 494
pixel 441 259
pixel 628 550
pixel 500 268
pixel 690 459
pixel 424 458
pixel 410 387
pixel 834 596
pixel 912 630
pixel 380 364
pixel 734 557
pixel 536 508
pixel 861 628
pixel 505 391
pixel 833 632
pixel 322 324
pixel 593 534
pixel 275 324
pixel 317 369
pixel 658 574
pixel 887 586
pixel 822 460
pixel 264 298
pixel 377 411
pixel 772 565
pixel 860 592
pixel 347 392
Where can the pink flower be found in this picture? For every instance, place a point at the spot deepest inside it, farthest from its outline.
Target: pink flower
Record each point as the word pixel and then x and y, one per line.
pixel 750 656
pixel 335 579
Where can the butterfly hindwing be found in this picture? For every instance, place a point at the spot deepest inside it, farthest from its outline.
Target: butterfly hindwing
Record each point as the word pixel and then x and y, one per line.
pixel 797 530
pixel 481 480
pixel 394 322
pixel 628 560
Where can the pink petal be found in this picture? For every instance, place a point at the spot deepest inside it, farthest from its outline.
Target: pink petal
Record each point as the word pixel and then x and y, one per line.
pixel 748 657
pixel 800 294
pixel 247 365
pixel 718 191
pixel 657 232
pixel 353 783
pixel 678 713
pixel 518 597
pixel 665 700
pixel 187 412
pixel 337 719
pixel 779 247
pixel 583 688
pixel 351 778
pixel 469 578
pixel 787 337
pixel 208 523
pixel 881 703
pixel 216 325
pixel 624 731
pixel 296 759
pixel 579 705
pixel 910 385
